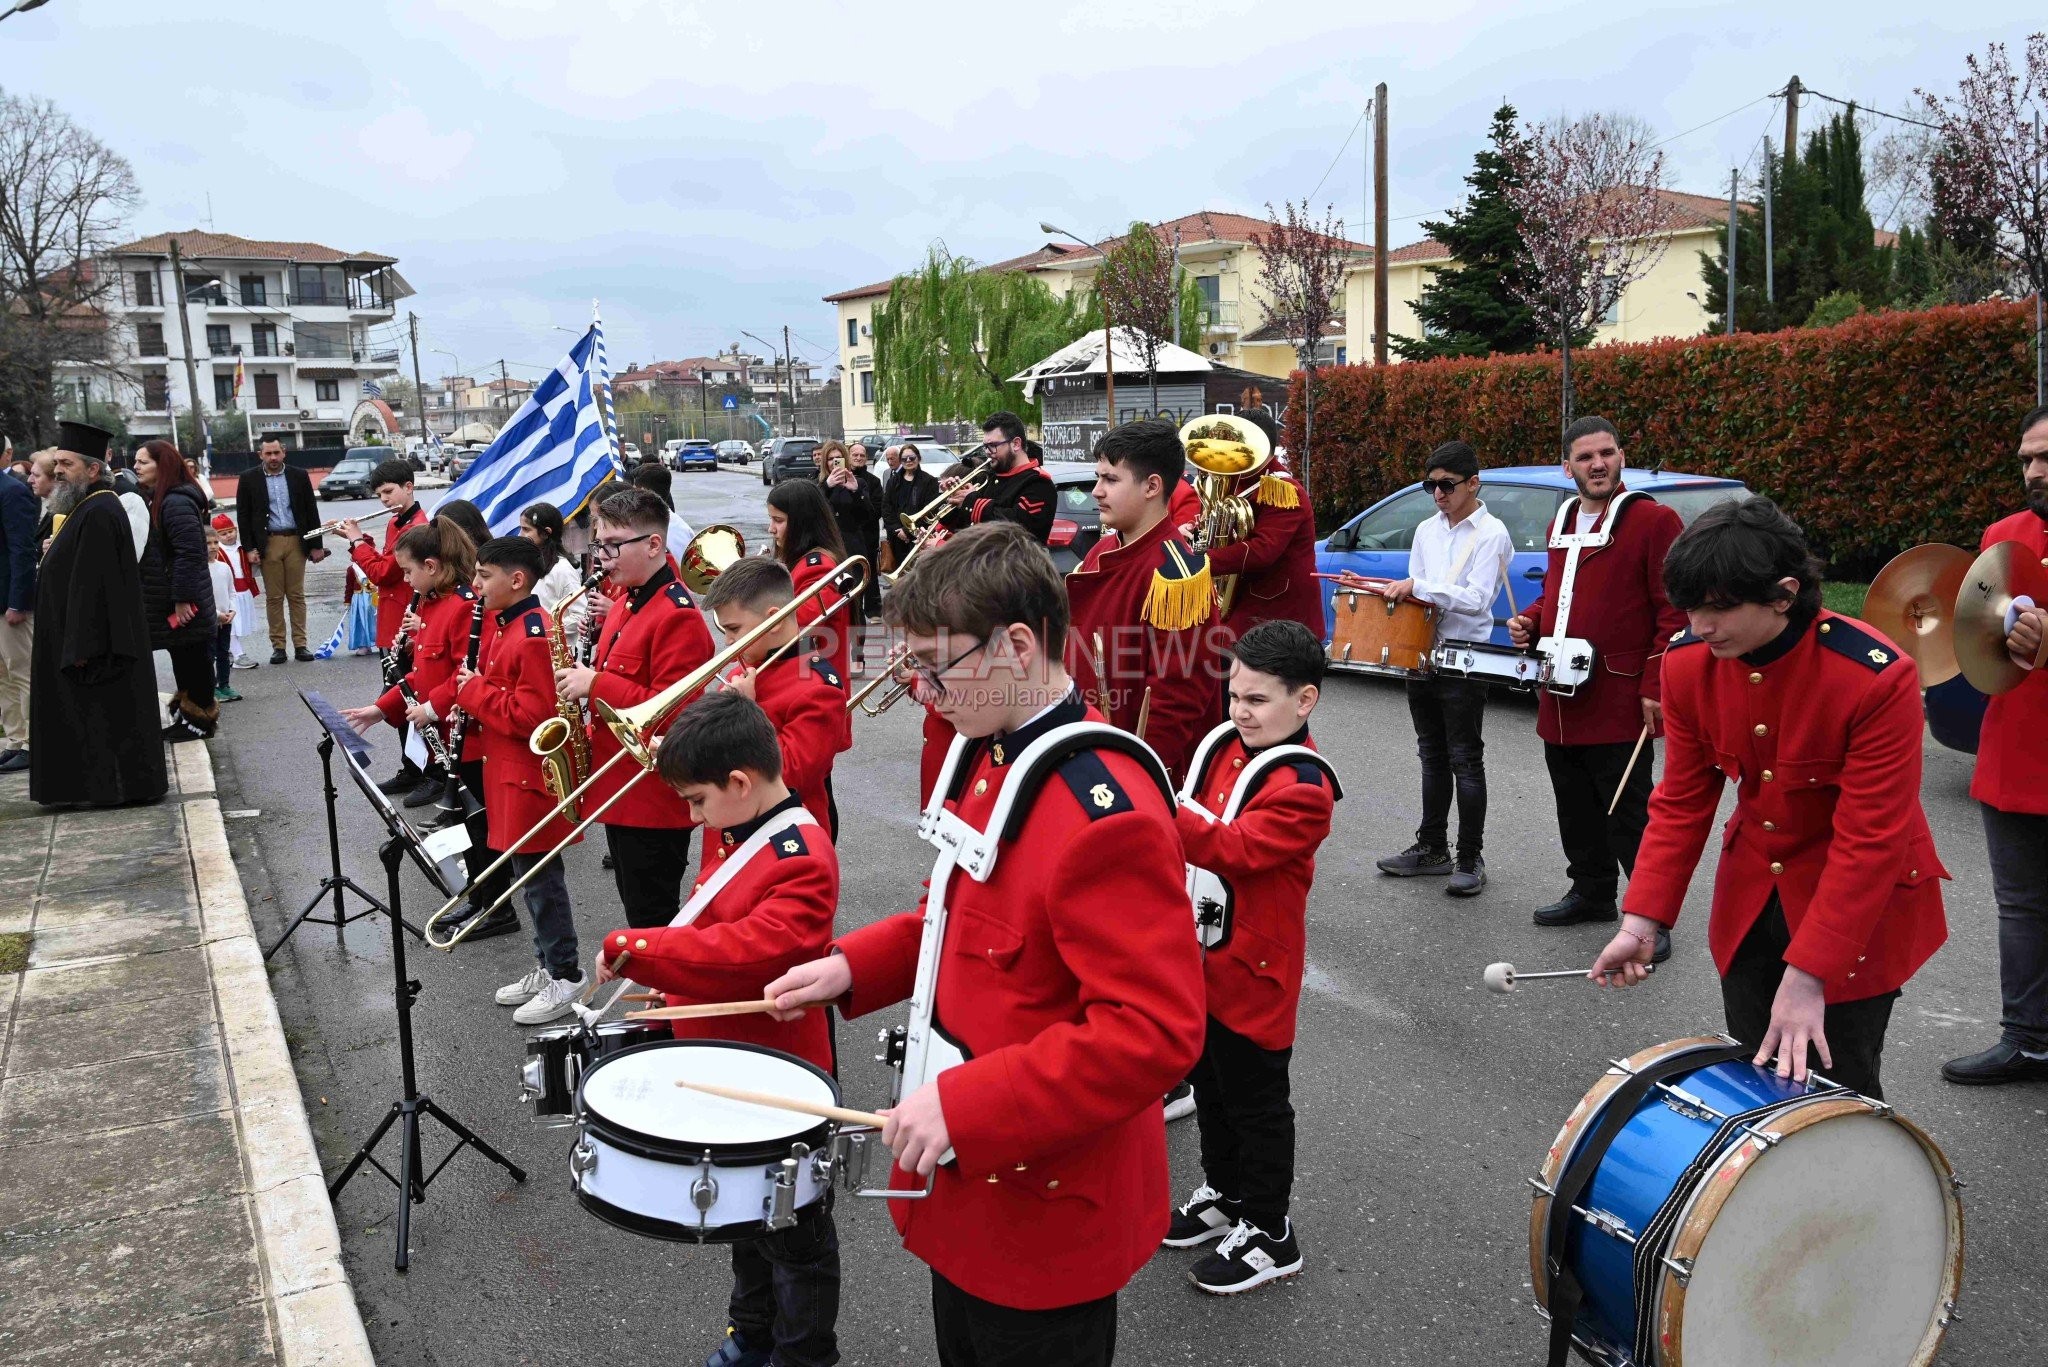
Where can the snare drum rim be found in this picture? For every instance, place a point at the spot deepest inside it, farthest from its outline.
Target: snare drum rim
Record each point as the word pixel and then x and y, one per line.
pixel 654 1227
pixel 665 1150
pixel 1719 1182
pixel 1580 1122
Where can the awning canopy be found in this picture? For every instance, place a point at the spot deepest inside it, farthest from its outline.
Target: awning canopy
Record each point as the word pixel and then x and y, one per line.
pixel 1085 357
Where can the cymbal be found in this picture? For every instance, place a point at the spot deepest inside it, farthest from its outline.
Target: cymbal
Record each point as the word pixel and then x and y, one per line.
pixel 1913 601
pixel 2000 581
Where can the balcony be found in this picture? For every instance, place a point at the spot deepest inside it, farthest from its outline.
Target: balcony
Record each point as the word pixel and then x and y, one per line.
pixel 1219 317
pixel 285 403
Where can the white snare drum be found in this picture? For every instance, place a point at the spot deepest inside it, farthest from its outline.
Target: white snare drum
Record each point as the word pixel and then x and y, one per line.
pixel 670 1163
pixel 1485 660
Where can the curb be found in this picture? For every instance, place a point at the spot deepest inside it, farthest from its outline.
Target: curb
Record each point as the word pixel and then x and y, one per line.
pixel 312 1306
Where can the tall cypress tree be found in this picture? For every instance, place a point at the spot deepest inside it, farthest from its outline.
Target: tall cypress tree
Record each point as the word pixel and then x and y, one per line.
pixel 1469 308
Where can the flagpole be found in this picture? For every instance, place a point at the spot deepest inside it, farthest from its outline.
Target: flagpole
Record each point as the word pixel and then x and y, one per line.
pixel 602 381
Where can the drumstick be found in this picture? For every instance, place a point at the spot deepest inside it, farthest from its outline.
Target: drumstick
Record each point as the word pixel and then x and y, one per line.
pixel 1101 676
pixel 1634 755
pixel 684 1013
pixel 787 1103
pixel 643 997
pixel 1507 586
pixel 1144 713
pixel 1503 977
pixel 591 989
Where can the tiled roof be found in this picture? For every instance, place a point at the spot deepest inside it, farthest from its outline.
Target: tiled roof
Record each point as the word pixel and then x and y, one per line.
pixel 195 244
pixel 1277 332
pixel 1210 226
pixel 1050 252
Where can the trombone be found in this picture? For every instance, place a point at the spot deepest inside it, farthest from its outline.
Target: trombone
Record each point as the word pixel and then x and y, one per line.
pixel 635 726
pixel 895 673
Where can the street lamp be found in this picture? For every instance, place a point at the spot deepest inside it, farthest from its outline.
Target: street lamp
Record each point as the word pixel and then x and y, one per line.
pixel 1108 344
pixel 24 7
pixel 786 370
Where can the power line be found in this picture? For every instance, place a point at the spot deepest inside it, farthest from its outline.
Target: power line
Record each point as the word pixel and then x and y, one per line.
pixel 1341 150
pixel 1716 119
pixel 1869 109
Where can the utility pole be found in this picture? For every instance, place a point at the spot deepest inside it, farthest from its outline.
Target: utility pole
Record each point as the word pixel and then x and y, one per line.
pixel 1379 227
pixel 1770 248
pixel 419 388
pixel 789 373
pixel 1792 89
pixel 191 365
pixel 1734 182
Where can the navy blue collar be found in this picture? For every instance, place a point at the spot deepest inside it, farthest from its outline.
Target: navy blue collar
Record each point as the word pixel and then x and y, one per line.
pixel 518 609
pixel 737 834
pixel 1797 621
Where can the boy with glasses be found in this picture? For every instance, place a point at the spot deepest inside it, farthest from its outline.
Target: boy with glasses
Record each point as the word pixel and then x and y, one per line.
pixel 651 637
pixel 1456 564
pixel 1021 492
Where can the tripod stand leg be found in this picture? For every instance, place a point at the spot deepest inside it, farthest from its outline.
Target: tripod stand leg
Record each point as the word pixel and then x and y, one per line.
pixel 411 1189
pixel 469 1137
pixel 336 882
pixel 362 1155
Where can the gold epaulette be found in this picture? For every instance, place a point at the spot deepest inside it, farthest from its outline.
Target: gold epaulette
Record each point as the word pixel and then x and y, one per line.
pixel 1182 594
pixel 1276 491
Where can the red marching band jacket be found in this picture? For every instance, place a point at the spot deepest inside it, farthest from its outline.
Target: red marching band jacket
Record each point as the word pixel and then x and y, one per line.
pixel 835 638
pixel 2012 750
pixel 513 692
pixel 1024 495
pixel 1072 984
pixel 650 638
pixel 1267 855
pixel 1276 564
pixel 1823 744
pixel 381 568
pixel 773 914
pixel 1618 604
pixel 806 701
pixel 1152 603
pixel 437 650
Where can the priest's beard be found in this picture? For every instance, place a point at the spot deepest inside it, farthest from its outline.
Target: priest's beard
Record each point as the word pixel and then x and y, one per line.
pixel 65 495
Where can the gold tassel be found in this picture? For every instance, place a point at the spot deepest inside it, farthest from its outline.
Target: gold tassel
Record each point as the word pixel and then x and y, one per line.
pixel 1177 604
pixel 1275 492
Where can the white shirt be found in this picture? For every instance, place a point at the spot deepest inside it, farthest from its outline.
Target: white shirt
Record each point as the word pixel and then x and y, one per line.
pixel 223 587
pixel 138 521
pixel 558 583
pixel 1459 569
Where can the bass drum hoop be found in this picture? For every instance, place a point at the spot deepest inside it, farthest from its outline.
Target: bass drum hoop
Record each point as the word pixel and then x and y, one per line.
pixel 662 1149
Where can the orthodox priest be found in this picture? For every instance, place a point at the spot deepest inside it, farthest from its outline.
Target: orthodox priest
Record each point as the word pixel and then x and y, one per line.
pixel 96 738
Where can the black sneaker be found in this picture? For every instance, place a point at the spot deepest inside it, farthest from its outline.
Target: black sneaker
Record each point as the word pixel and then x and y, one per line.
pixel 1248 1257
pixel 736 1351
pixel 278 657
pixel 1202 1217
pixel 1663 949
pixel 499 922
pixel 1180 1102
pixel 1468 878
pixel 400 782
pixel 1994 1067
pixel 1572 909
pixel 426 791
pixel 1416 860
pixel 183 730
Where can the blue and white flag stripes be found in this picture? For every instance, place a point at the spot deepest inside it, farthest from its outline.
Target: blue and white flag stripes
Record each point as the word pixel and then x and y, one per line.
pixel 556 449
pixel 372 390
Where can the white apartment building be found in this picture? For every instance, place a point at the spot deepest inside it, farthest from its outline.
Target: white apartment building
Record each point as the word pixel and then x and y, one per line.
pixel 308 325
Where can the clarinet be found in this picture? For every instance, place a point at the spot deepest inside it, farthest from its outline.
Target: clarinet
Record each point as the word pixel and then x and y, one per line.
pixel 396 662
pixel 586 631
pixel 456 803
pixel 432 734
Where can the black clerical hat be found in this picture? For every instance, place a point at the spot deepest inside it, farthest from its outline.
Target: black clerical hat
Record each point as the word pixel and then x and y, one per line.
pixel 84 439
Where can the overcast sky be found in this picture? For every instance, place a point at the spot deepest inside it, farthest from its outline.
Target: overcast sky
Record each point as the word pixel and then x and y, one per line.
pixel 701 169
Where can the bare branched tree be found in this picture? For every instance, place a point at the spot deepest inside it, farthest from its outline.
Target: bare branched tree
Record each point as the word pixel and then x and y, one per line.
pixel 1590 194
pixel 63 198
pixel 1992 165
pixel 1301 267
pixel 1137 285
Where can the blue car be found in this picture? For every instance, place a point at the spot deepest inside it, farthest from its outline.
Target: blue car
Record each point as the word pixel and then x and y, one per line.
pixel 697 455
pixel 1525 498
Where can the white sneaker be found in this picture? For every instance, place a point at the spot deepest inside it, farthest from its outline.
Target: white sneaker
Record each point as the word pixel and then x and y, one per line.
pixel 1180 1102
pixel 557 997
pixel 244 662
pixel 525 990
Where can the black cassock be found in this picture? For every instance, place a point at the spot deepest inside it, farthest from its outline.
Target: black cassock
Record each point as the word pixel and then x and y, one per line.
pixel 96 735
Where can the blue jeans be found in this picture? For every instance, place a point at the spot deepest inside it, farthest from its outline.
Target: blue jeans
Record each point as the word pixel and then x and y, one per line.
pixel 554 927
pixel 1450 717
pixel 785 1290
pixel 2019 879
pixel 223 656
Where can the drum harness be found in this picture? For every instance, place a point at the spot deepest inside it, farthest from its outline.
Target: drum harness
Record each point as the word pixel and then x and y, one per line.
pixel 1210 895
pixel 1558 645
pixel 1566 1294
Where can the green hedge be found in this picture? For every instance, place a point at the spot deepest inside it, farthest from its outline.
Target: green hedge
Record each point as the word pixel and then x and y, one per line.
pixel 1882 432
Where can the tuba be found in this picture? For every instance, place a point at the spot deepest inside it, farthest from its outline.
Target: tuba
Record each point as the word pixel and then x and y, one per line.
pixel 1224 449
pixel 560 742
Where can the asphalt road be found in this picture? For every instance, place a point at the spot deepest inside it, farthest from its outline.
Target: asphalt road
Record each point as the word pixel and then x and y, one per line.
pixel 1424 1101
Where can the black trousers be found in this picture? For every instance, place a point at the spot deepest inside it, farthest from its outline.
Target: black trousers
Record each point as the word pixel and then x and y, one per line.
pixel 1855 1030
pixel 649 864
pixel 1246 1118
pixel 973 1332
pixel 785 1290
pixel 1599 848
pixel 192 669
pixel 1450 717
pixel 480 856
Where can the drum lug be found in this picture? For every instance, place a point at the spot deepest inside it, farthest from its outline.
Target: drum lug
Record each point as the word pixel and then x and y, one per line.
pixel 530 1084
pixel 704 1194
pixel 1537 1183
pixel 1949 1313
pixel 1606 1223
pixel 895 1042
pixel 782 1199
pixel 1956 1183
pixel 1681 1270
pixel 582 1158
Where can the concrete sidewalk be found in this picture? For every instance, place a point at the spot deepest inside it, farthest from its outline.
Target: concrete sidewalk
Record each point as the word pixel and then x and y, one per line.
pixel 160 1197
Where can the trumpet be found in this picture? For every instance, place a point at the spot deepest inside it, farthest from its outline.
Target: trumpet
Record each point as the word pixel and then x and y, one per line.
pixel 976 478
pixel 635 727
pixel 933 535
pixel 895 673
pixel 330 528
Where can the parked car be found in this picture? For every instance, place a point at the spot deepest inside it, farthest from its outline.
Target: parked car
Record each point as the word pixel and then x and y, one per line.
pixel 459 459
pixel 669 449
pixel 1076 521
pixel 735 452
pixel 630 453
pixel 350 477
pixel 696 454
pixel 788 458
pixel 1375 543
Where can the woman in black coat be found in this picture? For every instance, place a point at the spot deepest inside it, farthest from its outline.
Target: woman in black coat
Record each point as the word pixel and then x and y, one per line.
pixel 913 487
pixel 856 498
pixel 177 585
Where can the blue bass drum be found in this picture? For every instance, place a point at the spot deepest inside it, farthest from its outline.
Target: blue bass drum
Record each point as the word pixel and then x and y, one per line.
pixel 1955 713
pixel 1737 1219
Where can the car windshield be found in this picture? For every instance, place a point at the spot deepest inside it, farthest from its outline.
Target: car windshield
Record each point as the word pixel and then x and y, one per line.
pixel 1690 501
pixel 798 448
pixel 353 465
pixel 1524 509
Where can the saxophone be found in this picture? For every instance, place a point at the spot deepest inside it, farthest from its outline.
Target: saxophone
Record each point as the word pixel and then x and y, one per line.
pixel 562 742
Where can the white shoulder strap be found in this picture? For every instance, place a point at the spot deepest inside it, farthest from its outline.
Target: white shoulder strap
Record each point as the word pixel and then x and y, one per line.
pixel 1265 762
pixel 737 860
pixel 1198 767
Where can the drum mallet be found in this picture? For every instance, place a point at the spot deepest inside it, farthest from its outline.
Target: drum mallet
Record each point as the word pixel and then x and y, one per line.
pixel 1633 756
pixel 1503 977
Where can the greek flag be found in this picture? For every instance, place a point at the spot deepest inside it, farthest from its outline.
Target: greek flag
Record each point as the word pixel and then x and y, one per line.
pixel 558 448
pixel 371 389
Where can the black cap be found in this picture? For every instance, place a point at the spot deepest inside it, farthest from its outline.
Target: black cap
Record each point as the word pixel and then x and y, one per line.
pixel 84 439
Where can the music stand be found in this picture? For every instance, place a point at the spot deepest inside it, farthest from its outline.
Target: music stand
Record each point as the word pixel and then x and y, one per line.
pixel 355 749
pixel 430 852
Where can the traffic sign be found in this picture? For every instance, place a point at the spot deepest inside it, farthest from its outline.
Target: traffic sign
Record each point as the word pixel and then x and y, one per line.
pixel 732 401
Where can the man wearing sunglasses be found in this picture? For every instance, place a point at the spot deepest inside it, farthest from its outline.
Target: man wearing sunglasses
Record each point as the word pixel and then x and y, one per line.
pixel 1021 491
pixel 652 636
pixel 1456 564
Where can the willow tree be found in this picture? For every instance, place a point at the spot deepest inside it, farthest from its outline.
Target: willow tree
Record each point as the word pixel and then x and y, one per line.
pixel 952 334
